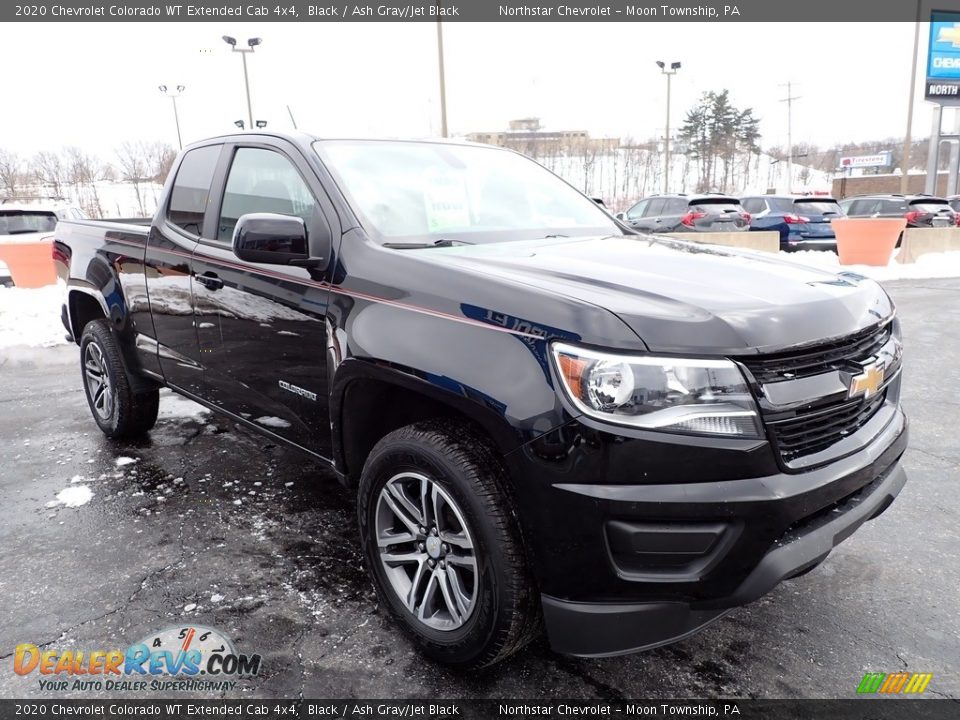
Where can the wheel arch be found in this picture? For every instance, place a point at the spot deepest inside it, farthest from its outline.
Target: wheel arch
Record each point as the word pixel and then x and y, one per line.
pixel 369 400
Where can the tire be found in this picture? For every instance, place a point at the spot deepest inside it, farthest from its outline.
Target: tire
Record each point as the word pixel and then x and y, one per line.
pixel 496 608
pixel 120 413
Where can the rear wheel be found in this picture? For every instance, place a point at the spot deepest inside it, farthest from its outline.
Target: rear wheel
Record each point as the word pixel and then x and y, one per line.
pixel 120 412
pixel 442 547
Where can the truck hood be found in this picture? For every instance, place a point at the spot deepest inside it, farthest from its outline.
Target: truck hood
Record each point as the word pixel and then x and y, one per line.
pixel 680 296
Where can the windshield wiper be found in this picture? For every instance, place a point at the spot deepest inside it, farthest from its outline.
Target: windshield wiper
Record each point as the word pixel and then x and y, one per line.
pixel 442 242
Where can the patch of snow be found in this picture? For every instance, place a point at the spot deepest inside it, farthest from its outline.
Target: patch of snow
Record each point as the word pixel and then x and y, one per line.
pixel 73 496
pixel 124 460
pixel 274 422
pixel 216 597
pixel 206 325
pixel 31 317
pixel 173 406
pixel 190 607
pixel 931 265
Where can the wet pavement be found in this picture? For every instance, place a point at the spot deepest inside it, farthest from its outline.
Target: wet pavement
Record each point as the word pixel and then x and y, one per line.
pixel 209 524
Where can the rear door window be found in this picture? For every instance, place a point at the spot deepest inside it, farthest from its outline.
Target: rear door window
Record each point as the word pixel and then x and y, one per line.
pixel 655 208
pixel 191 189
pixel 675 206
pixel 893 207
pixel 753 205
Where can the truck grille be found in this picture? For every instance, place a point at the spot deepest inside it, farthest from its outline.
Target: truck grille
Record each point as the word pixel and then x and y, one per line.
pixel 810 433
pixel 813 361
pixel 815 428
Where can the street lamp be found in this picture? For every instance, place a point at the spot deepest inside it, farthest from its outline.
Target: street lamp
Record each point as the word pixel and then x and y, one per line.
pixel 666 143
pixel 261 124
pixel 251 44
pixel 238 123
pixel 173 95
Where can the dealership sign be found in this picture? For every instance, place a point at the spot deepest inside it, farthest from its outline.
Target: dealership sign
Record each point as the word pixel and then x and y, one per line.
pixel 943 58
pixel 884 159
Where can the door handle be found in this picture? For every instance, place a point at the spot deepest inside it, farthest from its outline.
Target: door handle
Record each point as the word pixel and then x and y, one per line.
pixel 210 280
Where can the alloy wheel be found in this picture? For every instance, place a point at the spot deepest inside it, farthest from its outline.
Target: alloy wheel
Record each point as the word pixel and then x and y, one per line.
pixel 427 551
pixel 99 386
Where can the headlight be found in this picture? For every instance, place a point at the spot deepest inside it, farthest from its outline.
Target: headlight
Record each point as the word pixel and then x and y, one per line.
pixel 704 397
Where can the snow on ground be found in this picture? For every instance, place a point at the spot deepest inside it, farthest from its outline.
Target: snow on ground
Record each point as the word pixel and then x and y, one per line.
pixel 31 317
pixel 73 496
pixel 931 265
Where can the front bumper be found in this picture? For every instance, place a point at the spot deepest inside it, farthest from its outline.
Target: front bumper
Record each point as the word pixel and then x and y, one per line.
pixel 600 629
pixel 627 566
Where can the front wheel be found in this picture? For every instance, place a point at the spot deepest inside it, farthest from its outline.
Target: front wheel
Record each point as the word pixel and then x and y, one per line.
pixel 120 412
pixel 442 547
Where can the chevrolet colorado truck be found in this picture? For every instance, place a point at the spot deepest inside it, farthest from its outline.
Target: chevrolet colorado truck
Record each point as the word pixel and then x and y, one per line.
pixel 549 419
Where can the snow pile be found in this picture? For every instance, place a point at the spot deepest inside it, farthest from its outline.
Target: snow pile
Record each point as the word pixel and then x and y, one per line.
pixel 73 496
pixel 31 316
pixel 931 265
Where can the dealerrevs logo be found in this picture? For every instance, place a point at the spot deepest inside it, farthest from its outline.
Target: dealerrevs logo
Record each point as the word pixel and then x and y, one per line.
pixel 196 657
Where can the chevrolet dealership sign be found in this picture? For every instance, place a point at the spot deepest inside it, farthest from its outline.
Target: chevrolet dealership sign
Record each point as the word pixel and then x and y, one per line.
pixel 943 58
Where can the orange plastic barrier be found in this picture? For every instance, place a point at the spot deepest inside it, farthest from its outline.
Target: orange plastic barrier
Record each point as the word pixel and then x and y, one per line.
pixel 867 241
pixel 30 264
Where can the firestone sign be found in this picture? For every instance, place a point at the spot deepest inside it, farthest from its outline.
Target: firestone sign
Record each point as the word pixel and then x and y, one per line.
pixel 884 159
pixel 943 58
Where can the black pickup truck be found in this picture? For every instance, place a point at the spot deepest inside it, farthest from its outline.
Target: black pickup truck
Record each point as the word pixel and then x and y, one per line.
pixel 548 418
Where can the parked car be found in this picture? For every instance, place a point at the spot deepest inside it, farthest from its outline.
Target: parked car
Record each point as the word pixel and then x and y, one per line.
pixel 545 419
pixel 687 213
pixel 803 221
pixel 29 219
pixel 954 201
pixel 920 211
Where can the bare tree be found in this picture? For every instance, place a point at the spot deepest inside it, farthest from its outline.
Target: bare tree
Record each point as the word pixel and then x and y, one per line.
pixel 49 170
pixel 84 171
pixel 11 171
pixel 134 160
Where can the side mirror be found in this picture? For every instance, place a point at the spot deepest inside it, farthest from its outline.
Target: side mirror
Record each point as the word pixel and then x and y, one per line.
pixel 621 217
pixel 271 238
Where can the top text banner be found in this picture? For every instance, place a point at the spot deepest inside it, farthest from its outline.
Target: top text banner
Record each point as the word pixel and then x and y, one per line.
pixel 813 11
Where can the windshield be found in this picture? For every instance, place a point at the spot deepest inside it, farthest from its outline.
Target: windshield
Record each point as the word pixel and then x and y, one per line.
pixel 17 222
pixel 421 192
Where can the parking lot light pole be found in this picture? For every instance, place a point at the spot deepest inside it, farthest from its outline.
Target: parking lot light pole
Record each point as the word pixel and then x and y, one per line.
pixel 443 79
pixel 666 141
pixel 173 95
pixel 251 44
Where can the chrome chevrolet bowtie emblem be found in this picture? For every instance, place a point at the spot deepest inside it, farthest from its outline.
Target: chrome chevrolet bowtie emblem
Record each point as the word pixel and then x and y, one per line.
pixel 868 382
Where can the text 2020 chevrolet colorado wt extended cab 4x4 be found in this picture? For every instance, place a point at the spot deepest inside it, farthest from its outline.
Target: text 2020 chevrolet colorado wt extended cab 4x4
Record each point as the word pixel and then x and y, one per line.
pixel 549 420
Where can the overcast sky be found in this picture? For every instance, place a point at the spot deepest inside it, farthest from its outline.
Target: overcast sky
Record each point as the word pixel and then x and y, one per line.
pixel 95 85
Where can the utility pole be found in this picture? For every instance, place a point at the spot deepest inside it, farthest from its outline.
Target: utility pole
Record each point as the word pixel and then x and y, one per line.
pixel 789 101
pixel 443 81
pixel 666 140
pixel 907 138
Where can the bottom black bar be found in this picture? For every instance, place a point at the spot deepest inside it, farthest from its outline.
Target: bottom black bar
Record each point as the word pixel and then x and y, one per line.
pixel 873 708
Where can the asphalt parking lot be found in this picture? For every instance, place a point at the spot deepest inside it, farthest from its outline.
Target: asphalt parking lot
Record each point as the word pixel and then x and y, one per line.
pixel 207 523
